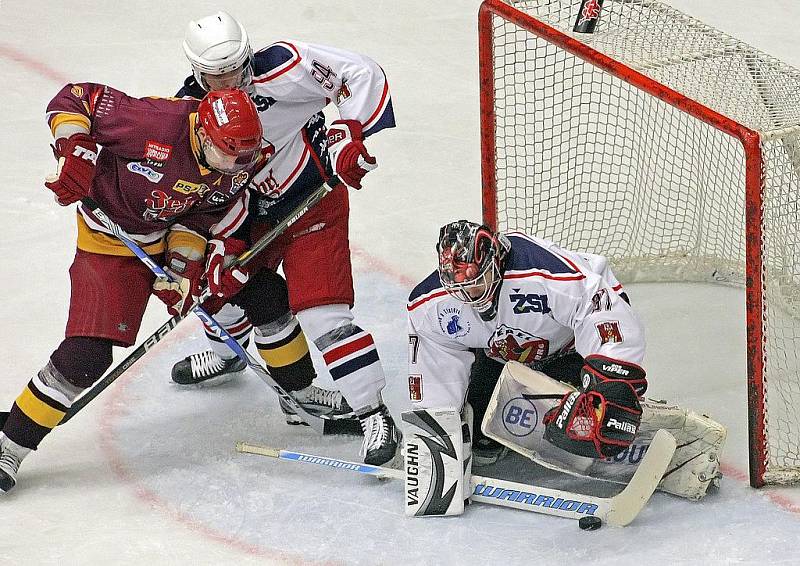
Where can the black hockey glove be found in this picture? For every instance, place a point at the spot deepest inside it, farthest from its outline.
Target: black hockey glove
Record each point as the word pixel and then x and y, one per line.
pixel 601 419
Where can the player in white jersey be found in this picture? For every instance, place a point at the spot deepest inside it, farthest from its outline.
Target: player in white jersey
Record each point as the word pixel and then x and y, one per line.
pixel 291 82
pixel 498 297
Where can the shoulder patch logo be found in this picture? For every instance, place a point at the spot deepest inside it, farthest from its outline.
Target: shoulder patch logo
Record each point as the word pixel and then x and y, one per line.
pixel 609 332
pixel 450 322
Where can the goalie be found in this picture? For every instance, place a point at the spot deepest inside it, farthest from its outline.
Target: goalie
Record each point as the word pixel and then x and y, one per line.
pixel 575 403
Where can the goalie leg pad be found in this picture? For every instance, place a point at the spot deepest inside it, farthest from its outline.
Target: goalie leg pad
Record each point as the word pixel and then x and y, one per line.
pixel 695 466
pixel 523 395
pixel 434 462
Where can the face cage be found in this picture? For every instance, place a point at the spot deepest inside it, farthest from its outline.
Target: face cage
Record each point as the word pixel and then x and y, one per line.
pixel 225 163
pixel 482 303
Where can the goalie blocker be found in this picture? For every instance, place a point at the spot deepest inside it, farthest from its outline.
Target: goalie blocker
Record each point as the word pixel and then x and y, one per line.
pixel 523 396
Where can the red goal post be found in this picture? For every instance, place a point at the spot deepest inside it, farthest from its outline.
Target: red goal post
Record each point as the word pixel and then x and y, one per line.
pixel 668 146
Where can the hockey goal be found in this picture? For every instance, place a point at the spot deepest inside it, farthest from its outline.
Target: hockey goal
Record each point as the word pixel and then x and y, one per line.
pixel 668 146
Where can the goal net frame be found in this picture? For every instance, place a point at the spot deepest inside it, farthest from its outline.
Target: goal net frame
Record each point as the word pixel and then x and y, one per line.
pixel 493 14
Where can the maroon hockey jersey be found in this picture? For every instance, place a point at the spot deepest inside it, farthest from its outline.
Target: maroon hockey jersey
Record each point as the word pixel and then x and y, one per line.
pixel 149 172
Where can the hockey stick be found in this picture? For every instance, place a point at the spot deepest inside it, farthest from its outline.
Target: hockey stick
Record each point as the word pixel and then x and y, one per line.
pixel 619 510
pixel 165 328
pixel 314 421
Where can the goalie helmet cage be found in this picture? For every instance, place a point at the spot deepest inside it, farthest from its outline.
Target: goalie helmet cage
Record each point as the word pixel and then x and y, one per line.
pixel 668 146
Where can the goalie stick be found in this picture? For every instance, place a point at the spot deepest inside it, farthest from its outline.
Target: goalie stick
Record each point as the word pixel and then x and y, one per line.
pixel 326 426
pixel 618 510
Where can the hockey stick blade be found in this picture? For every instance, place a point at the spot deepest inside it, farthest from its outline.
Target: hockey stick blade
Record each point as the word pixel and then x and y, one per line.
pixel 618 510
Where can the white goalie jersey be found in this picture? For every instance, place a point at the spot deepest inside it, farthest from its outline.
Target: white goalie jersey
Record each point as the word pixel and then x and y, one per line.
pixel 551 302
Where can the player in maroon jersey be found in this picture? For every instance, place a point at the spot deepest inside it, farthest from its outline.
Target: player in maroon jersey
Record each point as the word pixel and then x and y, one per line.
pixel 168 172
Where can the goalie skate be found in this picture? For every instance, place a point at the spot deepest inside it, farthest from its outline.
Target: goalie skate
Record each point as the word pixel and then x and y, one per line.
pixel 207 368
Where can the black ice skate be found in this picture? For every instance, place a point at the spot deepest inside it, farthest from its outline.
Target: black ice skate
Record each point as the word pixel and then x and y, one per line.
pixel 317 401
pixel 381 437
pixel 205 366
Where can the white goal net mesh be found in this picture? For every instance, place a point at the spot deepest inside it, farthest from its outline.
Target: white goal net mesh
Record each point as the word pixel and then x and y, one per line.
pixel 588 160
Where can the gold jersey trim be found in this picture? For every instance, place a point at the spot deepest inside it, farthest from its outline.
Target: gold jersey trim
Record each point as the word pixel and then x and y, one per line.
pixel 98 243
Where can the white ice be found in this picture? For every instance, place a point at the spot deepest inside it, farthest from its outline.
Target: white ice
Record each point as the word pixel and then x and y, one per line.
pixel 148 474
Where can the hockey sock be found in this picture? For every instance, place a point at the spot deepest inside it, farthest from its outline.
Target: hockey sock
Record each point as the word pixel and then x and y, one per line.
pixel 283 347
pixel 233 319
pixel 46 398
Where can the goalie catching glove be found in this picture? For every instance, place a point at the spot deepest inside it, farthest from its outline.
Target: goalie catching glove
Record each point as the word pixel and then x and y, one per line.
pixel 601 419
pixel 77 156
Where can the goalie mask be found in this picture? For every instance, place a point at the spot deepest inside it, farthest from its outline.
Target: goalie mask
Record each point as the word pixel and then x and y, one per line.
pixel 230 130
pixel 471 259
pixel 219 50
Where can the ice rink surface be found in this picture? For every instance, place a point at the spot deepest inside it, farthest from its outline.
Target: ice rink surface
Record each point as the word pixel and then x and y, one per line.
pixel 148 475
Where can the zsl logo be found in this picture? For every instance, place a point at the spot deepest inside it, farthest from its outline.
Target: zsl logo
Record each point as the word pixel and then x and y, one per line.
pixel 529 303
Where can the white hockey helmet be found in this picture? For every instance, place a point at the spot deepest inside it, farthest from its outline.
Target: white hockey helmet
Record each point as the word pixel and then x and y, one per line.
pixel 218 45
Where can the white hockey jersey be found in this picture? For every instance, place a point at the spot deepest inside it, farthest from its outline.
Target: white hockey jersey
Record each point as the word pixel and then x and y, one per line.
pixel 293 81
pixel 551 301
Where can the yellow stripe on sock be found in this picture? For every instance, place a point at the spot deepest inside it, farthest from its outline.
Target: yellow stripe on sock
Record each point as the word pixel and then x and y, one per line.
pixel 287 354
pixel 38 411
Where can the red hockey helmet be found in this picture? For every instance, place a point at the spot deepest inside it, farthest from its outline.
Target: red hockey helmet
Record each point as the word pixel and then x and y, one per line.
pixel 233 130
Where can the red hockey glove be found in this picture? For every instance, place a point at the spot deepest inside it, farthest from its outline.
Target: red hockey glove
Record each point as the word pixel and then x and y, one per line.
pixel 349 157
pixel 77 156
pixel 179 295
pixel 601 420
pixel 225 281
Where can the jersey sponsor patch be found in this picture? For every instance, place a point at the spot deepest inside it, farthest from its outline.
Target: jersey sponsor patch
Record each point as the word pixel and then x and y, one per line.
pixel 188 188
pixel 451 323
pixel 520 417
pixel 513 344
pixel 529 302
pixel 239 180
pixel 609 332
pixel 149 174
pixel 415 387
pixel 156 153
